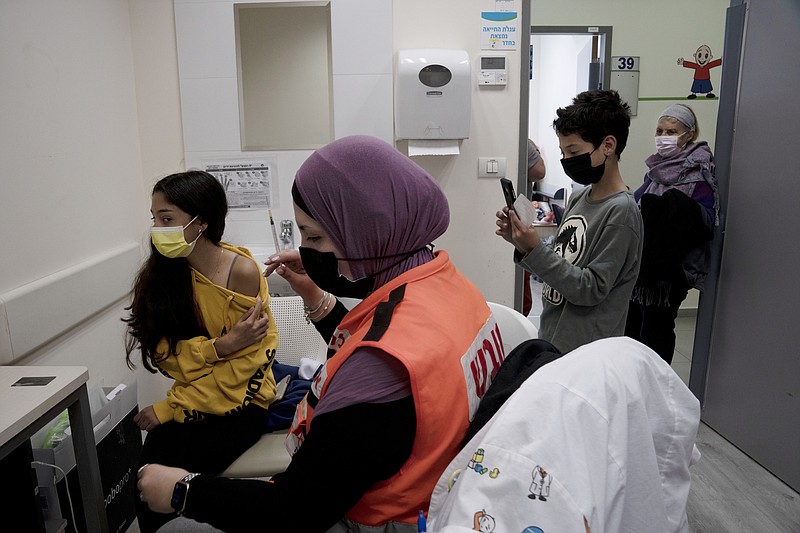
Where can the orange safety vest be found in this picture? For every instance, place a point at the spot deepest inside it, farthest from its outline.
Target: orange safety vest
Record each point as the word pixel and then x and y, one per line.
pixel 438 325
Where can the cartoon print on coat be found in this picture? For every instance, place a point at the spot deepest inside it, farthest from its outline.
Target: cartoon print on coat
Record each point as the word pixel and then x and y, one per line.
pixel 702 65
pixel 570 243
pixel 476 464
pixel 451 481
pixel 483 522
pixel 540 487
pixel 533 529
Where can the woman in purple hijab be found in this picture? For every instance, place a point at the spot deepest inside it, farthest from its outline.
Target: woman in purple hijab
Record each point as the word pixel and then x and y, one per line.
pixel 406 366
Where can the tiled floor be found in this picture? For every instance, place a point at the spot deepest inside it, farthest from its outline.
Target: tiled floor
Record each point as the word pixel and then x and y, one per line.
pixel 684 339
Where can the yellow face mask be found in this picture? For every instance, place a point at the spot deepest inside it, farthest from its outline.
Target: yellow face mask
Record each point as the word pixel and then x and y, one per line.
pixel 170 241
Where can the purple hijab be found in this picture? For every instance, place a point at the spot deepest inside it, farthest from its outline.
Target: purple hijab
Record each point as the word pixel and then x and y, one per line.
pixel 373 201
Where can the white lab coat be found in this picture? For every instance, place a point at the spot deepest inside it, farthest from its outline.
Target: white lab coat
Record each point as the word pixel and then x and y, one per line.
pixel 612 426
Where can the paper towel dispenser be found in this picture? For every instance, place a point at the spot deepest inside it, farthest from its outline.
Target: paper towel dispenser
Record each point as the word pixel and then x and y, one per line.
pixel 432 97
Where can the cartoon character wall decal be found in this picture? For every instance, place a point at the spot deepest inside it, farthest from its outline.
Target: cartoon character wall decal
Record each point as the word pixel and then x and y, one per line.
pixel 702 66
pixel 540 487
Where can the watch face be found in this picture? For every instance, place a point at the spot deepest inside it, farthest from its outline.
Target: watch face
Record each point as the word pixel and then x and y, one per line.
pixel 179 495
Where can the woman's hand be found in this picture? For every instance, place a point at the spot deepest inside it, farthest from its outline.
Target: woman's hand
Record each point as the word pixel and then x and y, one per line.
pixel 156 483
pixel 146 419
pixel 287 264
pixel 511 228
pixel 248 330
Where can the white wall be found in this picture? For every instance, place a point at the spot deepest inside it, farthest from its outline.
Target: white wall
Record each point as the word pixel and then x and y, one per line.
pixel 471 242
pixel 155 61
pixel 361 66
pixel 362 60
pixel 71 172
pixel 92 118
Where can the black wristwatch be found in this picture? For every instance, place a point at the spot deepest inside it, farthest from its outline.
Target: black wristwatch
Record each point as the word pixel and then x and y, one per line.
pixel 179 493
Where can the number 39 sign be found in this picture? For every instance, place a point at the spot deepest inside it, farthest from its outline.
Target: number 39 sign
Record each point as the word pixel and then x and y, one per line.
pixel 625 63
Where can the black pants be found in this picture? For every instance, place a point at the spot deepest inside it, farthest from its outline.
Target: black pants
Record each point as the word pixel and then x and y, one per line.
pixel 208 446
pixel 654 325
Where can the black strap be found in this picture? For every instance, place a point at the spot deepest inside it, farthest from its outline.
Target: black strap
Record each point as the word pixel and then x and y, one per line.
pixel 380 323
pixel 383 314
pixel 228 281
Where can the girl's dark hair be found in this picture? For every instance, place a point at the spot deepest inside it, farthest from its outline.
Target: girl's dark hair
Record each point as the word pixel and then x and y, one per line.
pixel 162 303
pixel 593 115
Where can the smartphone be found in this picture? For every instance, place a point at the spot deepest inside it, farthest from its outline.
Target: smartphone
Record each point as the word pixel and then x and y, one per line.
pixel 508 192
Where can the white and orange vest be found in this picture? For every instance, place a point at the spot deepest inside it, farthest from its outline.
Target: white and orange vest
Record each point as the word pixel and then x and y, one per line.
pixel 438 325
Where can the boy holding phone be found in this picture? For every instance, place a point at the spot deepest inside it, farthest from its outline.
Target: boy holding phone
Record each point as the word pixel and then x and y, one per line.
pixel 590 271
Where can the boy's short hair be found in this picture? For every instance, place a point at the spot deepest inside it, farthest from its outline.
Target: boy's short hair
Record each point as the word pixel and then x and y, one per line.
pixel 593 115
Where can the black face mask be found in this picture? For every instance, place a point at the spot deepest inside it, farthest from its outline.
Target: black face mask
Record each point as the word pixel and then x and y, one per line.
pixel 323 269
pixel 579 168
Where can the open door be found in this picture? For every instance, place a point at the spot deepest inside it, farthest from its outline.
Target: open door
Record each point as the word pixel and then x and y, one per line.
pixel 564 61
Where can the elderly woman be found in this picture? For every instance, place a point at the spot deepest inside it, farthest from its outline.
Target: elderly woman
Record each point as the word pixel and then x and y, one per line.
pixel 680 207
pixel 406 366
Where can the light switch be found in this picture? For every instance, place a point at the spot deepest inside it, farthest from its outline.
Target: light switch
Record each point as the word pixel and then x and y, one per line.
pixel 491 167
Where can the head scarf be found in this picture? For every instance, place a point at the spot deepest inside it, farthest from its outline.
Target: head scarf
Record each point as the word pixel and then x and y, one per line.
pixel 373 202
pixel 693 164
pixel 680 113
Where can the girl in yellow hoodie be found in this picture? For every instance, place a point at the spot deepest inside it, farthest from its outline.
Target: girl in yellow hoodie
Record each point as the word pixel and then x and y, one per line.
pixel 200 315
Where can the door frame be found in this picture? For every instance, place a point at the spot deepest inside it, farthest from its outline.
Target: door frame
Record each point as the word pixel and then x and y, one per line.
pixel 605 33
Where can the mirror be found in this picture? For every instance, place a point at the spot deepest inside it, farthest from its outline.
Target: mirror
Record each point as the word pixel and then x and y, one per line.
pixel 284 69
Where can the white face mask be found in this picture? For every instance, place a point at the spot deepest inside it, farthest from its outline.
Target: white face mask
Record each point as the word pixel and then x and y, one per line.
pixel 667 145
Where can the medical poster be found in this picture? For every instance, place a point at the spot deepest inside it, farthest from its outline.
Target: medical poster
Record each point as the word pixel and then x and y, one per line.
pixel 247 184
pixel 499 30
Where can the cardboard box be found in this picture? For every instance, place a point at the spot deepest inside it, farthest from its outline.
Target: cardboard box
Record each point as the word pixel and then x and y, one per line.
pixel 119 446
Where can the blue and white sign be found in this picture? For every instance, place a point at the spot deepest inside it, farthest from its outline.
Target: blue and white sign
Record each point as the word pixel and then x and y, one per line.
pixel 499 30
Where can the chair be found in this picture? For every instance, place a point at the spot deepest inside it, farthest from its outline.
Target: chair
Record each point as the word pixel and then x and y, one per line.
pixel 296 339
pixel 514 326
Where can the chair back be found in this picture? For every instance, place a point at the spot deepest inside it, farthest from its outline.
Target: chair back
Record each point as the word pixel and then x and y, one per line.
pixel 514 326
pixel 296 337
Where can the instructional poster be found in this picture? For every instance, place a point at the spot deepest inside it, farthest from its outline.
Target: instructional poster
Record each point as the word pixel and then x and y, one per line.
pixel 247 184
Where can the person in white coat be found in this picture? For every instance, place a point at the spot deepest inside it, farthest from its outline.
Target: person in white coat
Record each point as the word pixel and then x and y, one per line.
pixel 607 431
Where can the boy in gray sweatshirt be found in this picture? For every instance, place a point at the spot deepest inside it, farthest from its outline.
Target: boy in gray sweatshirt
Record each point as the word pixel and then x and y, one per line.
pixel 590 271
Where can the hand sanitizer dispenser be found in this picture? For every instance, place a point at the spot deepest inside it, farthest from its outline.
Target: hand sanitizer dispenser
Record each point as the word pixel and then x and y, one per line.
pixel 433 94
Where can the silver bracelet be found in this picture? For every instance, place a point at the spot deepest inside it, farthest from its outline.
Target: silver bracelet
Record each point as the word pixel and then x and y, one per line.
pixel 318 313
pixel 309 311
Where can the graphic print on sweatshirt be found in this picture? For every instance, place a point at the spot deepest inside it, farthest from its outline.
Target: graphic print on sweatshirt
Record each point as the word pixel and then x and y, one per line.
pixel 570 243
